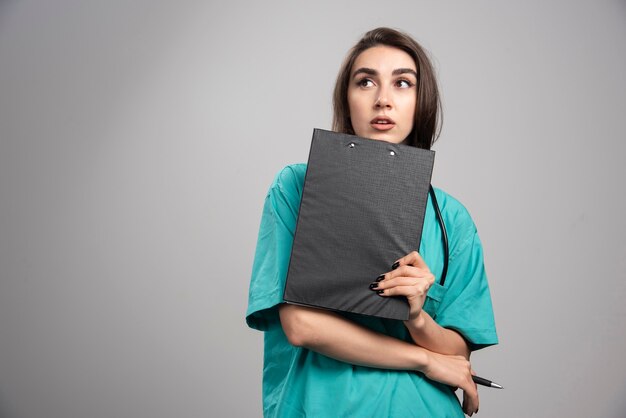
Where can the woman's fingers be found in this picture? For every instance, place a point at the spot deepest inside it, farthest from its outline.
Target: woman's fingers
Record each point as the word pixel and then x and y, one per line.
pixel 454 371
pixel 410 277
pixel 411 259
pixel 414 289
pixel 408 271
pixel 405 276
pixel 402 286
pixel 470 401
pixel 389 282
pixel 470 395
pixel 408 291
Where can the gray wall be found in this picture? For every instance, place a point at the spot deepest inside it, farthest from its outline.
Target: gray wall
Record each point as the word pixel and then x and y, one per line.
pixel 138 139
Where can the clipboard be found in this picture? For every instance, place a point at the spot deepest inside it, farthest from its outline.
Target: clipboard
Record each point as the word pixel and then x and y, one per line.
pixel 362 208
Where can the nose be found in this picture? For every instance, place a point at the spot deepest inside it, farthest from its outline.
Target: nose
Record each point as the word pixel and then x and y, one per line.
pixel 383 100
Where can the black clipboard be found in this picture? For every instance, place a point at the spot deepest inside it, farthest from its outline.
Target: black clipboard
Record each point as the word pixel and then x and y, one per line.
pixel 362 208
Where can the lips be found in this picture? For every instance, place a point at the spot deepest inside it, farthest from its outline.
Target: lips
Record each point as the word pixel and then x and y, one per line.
pixel 382 123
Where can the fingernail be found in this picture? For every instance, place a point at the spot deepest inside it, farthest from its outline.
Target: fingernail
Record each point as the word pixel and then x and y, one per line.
pixel 374 286
pixel 380 292
pixel 380 278
pixel 395 265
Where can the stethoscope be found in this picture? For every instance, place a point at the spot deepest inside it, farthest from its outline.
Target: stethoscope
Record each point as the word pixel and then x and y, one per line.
pixel 444 235
pixel 444 240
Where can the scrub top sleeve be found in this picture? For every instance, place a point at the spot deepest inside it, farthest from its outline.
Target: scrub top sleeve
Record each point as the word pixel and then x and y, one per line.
pixel 273 252
pixel 466 306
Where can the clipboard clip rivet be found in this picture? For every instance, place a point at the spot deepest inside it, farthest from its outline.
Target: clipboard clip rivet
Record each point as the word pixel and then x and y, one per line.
pixel 392 153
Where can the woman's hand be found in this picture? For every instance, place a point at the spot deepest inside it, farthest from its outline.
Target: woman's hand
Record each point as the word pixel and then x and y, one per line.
pixel 457 372
pixel 409 277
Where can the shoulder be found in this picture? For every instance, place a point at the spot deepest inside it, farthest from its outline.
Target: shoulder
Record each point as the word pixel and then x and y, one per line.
pixel 459 222
pixel 289 181
pixel 452 209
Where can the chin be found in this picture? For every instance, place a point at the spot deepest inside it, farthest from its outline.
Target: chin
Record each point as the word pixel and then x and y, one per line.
pixel 383 136
pixel 388 136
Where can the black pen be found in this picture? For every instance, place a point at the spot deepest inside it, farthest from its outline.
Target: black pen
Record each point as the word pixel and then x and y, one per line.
pixel 485 382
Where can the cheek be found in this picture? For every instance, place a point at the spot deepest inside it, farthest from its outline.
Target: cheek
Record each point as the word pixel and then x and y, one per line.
pixel 409 108
pixel 352 98
pixel 354 106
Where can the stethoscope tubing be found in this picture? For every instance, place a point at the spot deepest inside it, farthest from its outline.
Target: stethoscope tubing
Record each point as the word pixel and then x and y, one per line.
pixel 444 236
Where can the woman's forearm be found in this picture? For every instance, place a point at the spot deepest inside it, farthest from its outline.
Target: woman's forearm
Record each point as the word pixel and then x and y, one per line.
pixel 334 336
pixel 410 277
pixel 430 335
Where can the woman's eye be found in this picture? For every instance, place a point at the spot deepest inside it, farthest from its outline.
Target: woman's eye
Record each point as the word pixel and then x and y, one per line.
pixel 405 84
pixel 366 82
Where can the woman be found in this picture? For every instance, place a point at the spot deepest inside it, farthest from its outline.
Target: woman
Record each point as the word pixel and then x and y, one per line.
pixel 324 364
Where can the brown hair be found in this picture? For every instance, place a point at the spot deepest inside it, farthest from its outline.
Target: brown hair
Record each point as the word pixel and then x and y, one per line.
pixel 427 120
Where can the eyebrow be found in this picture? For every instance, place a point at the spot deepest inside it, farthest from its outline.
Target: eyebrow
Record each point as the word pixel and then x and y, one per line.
pixel 397 71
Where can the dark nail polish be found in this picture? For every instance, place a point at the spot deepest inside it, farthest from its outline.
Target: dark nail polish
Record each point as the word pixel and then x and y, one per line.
pixel 380 278
pixel 395 265
pixel 373 286
pixel 380 292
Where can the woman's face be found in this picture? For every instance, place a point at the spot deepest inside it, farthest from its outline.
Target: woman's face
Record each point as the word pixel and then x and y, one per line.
pixel 382 94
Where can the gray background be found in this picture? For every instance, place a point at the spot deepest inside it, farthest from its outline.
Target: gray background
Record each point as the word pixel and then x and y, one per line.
pixel 138 139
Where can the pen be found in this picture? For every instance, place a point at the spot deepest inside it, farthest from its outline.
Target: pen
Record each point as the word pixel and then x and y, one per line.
pixel 485 382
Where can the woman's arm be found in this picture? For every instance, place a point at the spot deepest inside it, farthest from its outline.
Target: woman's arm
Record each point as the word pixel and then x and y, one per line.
pixel 334 336
pixel 339 338
pixel 430 335
pixel 411 277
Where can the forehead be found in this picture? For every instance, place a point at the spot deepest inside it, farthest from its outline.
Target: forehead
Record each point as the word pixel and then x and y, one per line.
pixel 384 59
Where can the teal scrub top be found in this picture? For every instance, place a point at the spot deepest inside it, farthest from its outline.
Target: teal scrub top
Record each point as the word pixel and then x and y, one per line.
pixel 298 382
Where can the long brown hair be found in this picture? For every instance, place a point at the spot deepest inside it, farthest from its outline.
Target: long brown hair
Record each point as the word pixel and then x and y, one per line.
pixel 427 120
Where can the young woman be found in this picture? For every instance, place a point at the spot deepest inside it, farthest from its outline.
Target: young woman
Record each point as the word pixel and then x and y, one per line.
pixel 325 364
